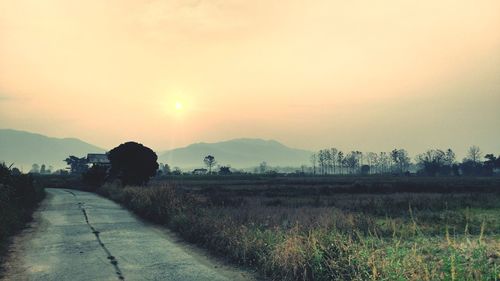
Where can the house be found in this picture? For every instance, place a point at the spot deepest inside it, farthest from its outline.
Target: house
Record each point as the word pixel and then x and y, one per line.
pixel 200 171
pixel 98 159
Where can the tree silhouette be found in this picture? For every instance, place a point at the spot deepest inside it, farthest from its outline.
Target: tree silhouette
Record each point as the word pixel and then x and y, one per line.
pixel 224 170
pixel 77 165
pixel 35 169
pixel 351 161
pixel 333 159
pixel 474 154
pixel 322 161
pixel 328 161
pixel 432 161
pixel 314 160
pixel 263 167
pixel 340 160
pixel 209 161
pixel 133 163
pixel 42 169
pixel 166 169
pixel 400 159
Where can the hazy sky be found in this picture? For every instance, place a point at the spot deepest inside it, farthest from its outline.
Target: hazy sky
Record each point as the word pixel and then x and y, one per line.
pixel 370 75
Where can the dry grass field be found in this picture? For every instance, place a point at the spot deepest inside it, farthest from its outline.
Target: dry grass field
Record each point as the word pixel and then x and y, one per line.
pixel 334 228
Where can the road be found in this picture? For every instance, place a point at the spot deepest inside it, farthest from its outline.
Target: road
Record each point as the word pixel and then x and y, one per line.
pixel 78 235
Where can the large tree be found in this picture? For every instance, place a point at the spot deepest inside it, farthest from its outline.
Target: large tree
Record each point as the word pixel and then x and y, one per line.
pixel 133 163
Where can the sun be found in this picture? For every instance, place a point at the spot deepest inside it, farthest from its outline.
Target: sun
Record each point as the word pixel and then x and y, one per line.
pixel 178 105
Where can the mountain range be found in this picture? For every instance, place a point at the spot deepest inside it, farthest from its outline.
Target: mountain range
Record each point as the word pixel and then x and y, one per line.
pixel 237 153
pixel 24 149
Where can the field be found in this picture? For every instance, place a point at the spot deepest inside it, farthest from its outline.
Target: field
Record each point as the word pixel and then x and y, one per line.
pixel 334 228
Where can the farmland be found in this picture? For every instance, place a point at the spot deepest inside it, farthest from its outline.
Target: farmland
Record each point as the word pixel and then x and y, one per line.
pixel 333 228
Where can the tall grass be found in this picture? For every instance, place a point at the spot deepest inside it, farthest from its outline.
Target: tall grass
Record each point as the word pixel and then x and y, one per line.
pixel 339 237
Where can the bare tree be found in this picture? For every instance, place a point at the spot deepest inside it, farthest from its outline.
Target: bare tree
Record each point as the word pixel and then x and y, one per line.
pixel 328 161
pixel 371 159
pixel 352 161
pixel 384 162
pixel 474 154
pixel 322 159
pixel 359 159
pixel 314 161
pixel 340 160
pixel 394 158
pixel 449 157
pixel 333 153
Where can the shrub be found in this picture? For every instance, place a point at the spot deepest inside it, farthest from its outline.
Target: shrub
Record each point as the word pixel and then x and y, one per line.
pixel 18 199
pixel 95 177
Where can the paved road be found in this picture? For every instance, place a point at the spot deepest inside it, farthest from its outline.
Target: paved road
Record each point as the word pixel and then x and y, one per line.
pixel 81 236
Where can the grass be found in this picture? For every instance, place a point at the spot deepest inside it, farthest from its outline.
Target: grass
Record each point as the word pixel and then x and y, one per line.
pixel 302 229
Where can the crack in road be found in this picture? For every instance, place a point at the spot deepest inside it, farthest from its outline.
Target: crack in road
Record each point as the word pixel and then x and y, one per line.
pixel 96 233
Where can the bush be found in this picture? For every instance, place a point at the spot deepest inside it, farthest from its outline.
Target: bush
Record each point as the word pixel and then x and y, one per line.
pixel 95 177
pixel 18 199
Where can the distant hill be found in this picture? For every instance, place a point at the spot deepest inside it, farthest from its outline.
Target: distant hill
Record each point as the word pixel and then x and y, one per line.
pixel 24 148
pixel 238 153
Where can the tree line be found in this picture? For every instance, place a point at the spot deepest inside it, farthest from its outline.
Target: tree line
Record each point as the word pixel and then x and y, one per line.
pixel 134 164
pixel 432 162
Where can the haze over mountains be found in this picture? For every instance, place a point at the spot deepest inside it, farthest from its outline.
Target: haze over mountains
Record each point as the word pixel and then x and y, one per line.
pixel 25 148
pixel 237 153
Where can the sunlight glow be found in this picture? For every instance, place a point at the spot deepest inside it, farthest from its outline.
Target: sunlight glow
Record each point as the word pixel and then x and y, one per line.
pixel 178 105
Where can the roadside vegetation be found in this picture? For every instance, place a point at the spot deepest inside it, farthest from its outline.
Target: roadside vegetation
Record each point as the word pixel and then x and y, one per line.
pixel 334 228
pixel 354 216
pixel 18 198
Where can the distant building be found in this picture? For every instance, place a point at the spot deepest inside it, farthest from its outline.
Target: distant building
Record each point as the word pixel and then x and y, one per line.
pixel 98 159
pixel 200 171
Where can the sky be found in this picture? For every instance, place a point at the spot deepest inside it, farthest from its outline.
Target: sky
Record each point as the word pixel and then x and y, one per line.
pixel 364 75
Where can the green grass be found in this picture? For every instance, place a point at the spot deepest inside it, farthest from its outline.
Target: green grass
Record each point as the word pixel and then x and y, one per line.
pixel 309 235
